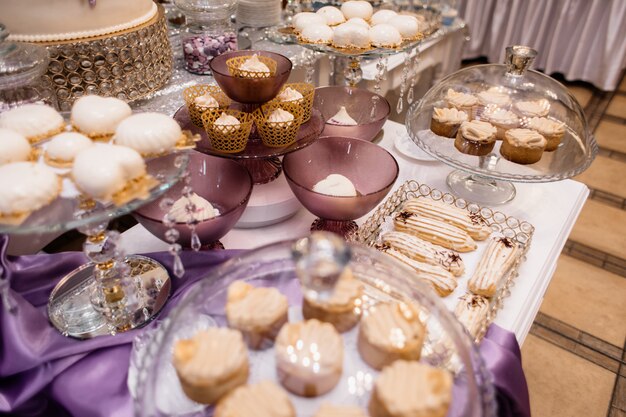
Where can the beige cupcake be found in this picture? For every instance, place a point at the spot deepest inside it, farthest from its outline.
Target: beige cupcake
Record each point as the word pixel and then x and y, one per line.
pixel 534 108
pixel 552 130
pixel 462 101
pixel 523 146
pixel 446 121
pixel 502 119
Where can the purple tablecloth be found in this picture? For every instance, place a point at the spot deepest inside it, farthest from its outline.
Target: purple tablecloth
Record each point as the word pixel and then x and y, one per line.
pixel 43 373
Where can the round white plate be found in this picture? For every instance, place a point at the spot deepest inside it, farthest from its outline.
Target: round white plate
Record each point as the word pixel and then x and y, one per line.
pixel 409 149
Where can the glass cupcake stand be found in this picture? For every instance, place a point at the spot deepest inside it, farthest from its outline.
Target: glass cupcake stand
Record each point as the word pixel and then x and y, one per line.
pixel 310 265
pixel 488 179
pixel 113 293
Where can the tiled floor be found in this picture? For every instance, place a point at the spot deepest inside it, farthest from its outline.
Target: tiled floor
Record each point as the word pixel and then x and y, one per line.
pixel 574 358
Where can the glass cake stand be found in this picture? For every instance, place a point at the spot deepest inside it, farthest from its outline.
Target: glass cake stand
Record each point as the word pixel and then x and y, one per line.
pixel 488 179
pixel 310 265
pixel 112 293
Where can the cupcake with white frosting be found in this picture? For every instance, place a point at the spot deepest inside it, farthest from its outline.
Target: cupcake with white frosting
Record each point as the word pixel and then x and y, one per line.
pixel 502 119
pixel 446 121
pixel 475 138
pixel 495 97
pixel 552 130
pixel 462 101
pixel 533 108
pixel 523 146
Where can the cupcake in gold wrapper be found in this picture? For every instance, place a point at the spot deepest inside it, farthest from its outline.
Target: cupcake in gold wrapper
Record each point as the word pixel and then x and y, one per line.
pixel 228 130
pixel 277 126
pixel 202 97
pixel 252 66
pixel 297 95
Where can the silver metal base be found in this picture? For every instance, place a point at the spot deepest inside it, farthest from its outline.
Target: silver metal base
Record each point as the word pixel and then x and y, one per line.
pixel 70 310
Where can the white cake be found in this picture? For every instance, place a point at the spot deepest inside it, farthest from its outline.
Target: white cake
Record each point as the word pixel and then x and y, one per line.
pixel 26 187
pixel 35 121
pixel 148 133
pixel 351 35
pixel 63 148
pixel 58 20
pixel 13 147
pixel 97 116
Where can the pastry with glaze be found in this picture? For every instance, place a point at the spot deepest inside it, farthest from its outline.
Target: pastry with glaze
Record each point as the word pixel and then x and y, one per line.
pixel 35 122
pixel 318 34
pixel 104 170
pixel 331 15
pixel 342 118
pixel 304 19
pixel 357 8
pixel 309 357
pixel 351 35
pixel 434 231
pixel 97 117
pixel 342 309
pixel 383 16
pixel 534 108
pixel 440 279
pixel 26 187
pixel 551 130
pixel 385 36
pixel 473 224
pixel 500 254
pixel 411 389
pixel 408 26
pixel 523 146
pixel 423 251
pixel 263 399
pixel 471 311
pixel 358 21
pixel 446 121
pixel 475 138
pixel 150 134
pixel 336 185
pixel 203 209
pixel 462 101
pixel 211 363
pixel 389 332
pixel 258 312
pixel 14 147
pixel 63 148
pixel 328 410
pixel 501 119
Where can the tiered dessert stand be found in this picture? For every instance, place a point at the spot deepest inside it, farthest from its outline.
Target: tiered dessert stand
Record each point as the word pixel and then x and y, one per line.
pixel 488 179
pixel 113 293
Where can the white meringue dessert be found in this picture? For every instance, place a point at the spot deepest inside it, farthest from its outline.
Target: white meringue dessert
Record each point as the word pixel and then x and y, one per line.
pixel 104 169
pixel 289 94
pixel 336 185
pixel 382 16
pixel 408 26
pixel 351 35
pixel 359 21
pixel 149 134
pixel 362 9
pixel 206 101
pixel 26 187
pixel 342 118
pixel 14 147
pixel 63 148
pixel 97 116
pixel 254 64
pixel 318 33
pixel 331 15
pixel 280 116
pixel 226 119
pixel 385 36
pixel 203 209
pixel 34 121
pixel 302 20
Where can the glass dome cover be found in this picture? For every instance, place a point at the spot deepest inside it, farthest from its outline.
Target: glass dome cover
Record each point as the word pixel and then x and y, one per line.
pixel 157 390
pixel 514 80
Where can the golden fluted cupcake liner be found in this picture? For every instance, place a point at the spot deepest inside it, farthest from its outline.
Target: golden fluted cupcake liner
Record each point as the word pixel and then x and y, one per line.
pixel 277 134
pixel 195 111
pixel 305 103
pixel 227 138
pixel 234 65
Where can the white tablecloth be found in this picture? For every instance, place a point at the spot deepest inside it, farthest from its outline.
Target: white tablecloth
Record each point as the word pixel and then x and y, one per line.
pixel 582 39
pixel 552 208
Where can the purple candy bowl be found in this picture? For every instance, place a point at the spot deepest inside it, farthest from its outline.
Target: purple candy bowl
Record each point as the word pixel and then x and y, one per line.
pixel 223 182
pixel 372 170
pixel 359 104
pixel 250 90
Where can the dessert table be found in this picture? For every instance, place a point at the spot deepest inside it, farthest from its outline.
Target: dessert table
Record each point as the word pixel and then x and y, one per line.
pixel 551 207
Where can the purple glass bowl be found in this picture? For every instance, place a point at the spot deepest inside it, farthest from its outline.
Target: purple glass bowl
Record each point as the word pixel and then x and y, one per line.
pixel 226 184
pixel 371 169
pixel 358 103
pixel 250 90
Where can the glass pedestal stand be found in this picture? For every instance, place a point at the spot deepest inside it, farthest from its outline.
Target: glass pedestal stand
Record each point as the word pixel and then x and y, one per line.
pixel 474 187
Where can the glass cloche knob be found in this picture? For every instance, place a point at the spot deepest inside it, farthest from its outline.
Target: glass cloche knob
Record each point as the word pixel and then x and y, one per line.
pixel 519 58
pixel 320 260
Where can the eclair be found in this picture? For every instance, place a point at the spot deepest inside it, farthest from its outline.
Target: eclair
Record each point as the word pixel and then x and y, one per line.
pixel 498 258
pixel 434 231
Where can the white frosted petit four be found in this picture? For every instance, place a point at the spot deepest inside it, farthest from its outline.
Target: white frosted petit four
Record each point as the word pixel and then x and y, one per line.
pixel 34 121
pixel 342 118
pixel 383 16
pixel 385 35
pixel 289 94
pixel 63 148
pixel 359 21
pixel 362 9
pixel 408 26
pixel 103 170
pixel 351 35
pixel 302 20
pixel 98 117
pixel 332 15
pixel 148 133
pixel 26 187
pixel 318 33
pixel 309 357
pixel 14 147
pixel 335 185
pixel 203 209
